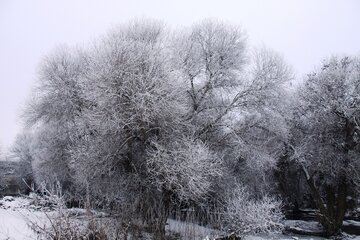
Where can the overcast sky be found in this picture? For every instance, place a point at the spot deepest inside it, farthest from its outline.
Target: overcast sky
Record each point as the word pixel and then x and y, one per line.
pixel 304 31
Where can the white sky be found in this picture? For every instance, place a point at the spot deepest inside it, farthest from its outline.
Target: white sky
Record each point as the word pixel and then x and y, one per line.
pixel 304 31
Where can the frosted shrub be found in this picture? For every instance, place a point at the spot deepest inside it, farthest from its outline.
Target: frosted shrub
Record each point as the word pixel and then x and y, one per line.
pixel 59 225
pixel 246 215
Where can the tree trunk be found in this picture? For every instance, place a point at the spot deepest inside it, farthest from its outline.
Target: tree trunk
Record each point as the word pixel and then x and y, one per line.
pixel 341 206
pixel 164 212
pixel 332 213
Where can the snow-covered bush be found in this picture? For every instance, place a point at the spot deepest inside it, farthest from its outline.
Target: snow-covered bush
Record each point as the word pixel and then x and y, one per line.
pixel 246 215
pixel 63 227
pixel 60 225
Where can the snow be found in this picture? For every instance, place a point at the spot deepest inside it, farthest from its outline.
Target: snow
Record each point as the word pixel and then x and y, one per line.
pixel 13 225
pixel 308 225
pixel 15 216
pixel 16 213
pixel 282 237
pixel 194 232
pixel 191 230
pixel 351 223
pixel 8 199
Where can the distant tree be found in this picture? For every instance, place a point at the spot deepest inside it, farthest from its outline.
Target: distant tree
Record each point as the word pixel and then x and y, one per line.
pixel 22 150
pixel 326 137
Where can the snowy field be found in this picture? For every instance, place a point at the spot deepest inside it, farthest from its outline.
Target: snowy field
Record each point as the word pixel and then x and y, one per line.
pixel 16 214
pixel 14 226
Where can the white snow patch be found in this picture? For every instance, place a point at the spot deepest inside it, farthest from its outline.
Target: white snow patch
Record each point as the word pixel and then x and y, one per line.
pixel 191 230
pixel 351 223
pixel 15 217
pixel 309 225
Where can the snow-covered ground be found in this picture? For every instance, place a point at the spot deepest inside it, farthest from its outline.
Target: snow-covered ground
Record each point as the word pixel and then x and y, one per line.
pixel 13 226
pixel 16 214
pixel 190 230
pixel 195 232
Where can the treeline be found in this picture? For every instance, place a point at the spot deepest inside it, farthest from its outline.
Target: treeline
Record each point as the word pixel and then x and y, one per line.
pixel 148 121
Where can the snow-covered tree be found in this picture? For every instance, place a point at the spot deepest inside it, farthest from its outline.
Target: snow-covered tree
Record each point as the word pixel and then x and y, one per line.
pixel 144 119
pixel 326 137
pixel 235 99
pixel 209 59
pixel 139 109
pixel 260 131
pixel 58 95
pixel 54 114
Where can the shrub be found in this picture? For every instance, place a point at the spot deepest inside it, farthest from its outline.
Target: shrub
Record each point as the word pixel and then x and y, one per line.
pixel 246 215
